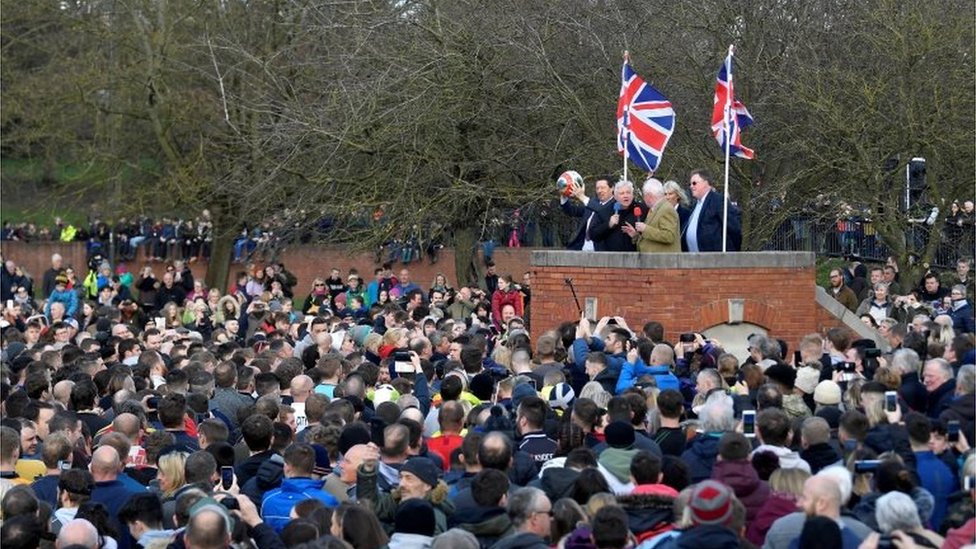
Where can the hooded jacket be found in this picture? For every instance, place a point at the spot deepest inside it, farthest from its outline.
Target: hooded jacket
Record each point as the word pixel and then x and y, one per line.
pixel 617 461
pixel 488 524
pixel 649 510
pixel 745 482
pixel 400 540
pixel 269 476
pixel 820 456
pixel 788 459
pixel 556 482
pixel 700 456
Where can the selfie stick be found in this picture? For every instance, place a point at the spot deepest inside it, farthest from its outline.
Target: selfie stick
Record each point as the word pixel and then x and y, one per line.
pixel 569 282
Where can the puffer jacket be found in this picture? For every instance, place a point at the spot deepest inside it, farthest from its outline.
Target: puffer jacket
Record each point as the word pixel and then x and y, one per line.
pixel 650 510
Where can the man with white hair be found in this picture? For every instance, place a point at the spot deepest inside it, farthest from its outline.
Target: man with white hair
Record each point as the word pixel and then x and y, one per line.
pixel 907 363
pixel 660 231
pixel 897 511
pixel 57 265
pixel 717 417
pixel 940 384
pixel 609 229
pixel 824 494
pixel 78 532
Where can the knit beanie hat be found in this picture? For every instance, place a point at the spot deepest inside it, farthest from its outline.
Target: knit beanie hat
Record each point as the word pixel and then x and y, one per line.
pixel 827 392
pixel 807 379
pixel 422 468
pixel 619 434
pixel 711 503
pixel 415 516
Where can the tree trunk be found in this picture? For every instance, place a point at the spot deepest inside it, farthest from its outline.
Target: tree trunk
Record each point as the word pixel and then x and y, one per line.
pixel 465 256
pixel 221 251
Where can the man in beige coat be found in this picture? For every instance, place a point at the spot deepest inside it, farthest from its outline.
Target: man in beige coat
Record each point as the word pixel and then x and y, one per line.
pixel 659 233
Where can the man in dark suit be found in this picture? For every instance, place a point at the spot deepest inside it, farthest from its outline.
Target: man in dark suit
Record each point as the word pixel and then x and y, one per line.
pixel 703 233
pixel 588 209
pixel 608 230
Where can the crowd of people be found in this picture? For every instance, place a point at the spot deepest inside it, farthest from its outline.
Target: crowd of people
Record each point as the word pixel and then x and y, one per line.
pixel 150 411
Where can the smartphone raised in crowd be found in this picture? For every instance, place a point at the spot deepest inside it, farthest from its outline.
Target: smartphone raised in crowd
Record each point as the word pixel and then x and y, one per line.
pixel 891 401
pixel 749 423
pixel 226 477
pixel 952 431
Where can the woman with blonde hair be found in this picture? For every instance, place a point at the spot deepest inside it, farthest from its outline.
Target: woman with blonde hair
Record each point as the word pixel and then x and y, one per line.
pixel 170 473
pixel 786 487
pixel 394 338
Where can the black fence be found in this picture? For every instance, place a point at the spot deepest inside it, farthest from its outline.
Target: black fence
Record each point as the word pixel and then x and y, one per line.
pixel 856 237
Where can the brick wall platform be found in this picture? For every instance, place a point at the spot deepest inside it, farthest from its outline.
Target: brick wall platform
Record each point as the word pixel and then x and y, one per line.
pixel 685 292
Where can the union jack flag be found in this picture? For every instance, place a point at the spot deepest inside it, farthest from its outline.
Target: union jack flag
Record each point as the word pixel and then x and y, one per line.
pixel 645 120
pixel 727 110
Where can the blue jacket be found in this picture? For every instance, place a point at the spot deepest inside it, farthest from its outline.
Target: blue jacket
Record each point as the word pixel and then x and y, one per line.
pixel 632 372
pixel 936 477
pixel 962 319
pixel 68 297
pixel 700 456
pixel 278 503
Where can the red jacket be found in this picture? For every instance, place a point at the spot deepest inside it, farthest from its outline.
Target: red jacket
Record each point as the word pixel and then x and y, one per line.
pixel 499 299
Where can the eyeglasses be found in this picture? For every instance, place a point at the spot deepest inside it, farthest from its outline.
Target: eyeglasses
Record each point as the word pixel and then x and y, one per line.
pixel 319 285
pixel 549 512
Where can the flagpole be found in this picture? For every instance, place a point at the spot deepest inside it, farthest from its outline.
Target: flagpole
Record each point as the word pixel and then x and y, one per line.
pixel 626 122
pixel 728 139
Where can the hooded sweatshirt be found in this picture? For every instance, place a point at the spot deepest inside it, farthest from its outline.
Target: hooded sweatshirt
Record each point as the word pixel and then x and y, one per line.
pixel 745 482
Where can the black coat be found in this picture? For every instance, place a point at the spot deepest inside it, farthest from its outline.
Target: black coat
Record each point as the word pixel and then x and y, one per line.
pixel 913 392
pixel 939 399
pixel 614 239
pixel 710 226
pixel 591 209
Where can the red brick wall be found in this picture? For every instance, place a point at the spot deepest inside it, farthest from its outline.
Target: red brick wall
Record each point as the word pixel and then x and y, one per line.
pixel 306 262
pixel 782 300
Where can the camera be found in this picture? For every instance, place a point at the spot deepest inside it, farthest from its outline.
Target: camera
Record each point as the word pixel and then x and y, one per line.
pixel 687 337
pixel 849 367
pixel 872 353
pixel 230 503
